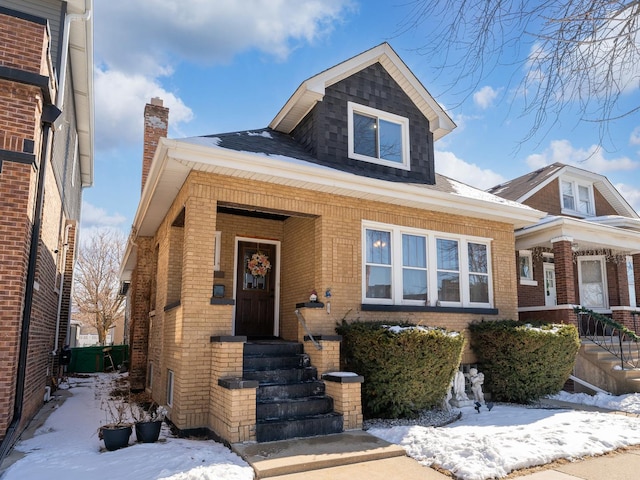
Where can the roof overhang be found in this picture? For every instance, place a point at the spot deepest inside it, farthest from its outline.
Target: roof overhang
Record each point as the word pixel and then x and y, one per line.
pixel 586 234
pixel 313 89
pixel 81 58
pixel 174 160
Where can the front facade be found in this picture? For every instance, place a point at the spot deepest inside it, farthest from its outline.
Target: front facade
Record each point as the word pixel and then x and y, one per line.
pixel 339 196
pixel 46 159
pixel 585 252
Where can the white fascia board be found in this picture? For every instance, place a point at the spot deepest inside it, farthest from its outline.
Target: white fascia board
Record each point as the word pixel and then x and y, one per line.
pixel 319 178
pixel 586 234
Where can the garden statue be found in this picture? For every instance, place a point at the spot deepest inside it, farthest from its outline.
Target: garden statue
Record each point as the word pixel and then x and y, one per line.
pixel 459 387
pixel 446 405
pixel 477 379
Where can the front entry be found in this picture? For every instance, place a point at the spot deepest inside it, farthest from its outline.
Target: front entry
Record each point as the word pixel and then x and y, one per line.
pixel 550 298
pixel 255 289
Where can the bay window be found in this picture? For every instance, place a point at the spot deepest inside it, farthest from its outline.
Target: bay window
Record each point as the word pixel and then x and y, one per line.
pixel 404 266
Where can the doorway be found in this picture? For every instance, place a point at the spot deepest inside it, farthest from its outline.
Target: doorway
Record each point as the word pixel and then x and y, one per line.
pixel 256 288
pixel 550 297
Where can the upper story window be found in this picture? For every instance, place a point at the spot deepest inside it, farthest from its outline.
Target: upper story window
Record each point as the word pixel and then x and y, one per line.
pixel 378 137
pixel 404 266
pixel 577 197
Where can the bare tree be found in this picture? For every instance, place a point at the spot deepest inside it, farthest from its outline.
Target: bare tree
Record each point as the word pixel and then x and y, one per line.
pixel 579 54
pixel 96 290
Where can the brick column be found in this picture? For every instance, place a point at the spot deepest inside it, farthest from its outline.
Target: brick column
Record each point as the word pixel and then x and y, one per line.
pixel 327 359
pixel 636 275
pixel 565 270
pixel 345 389
pixel 623 284
pixel 232 408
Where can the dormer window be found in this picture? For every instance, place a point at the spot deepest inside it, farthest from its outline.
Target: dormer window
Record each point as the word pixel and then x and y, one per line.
pixel 576 197
pixel 378 137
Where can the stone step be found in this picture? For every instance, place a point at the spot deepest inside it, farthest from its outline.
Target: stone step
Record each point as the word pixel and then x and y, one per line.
pixel 282 391
pixel 309 426
pixel 291 375
pixel 315 453
pixel 261 362
pixel 276 348
pixel 294 408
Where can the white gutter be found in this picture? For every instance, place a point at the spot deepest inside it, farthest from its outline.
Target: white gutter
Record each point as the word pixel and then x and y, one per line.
pixel 65 249
pixel 65 52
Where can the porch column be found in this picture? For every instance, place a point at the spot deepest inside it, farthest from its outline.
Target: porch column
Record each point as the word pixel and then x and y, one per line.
pixel 636 275
pixel 623 284
pixel 565 270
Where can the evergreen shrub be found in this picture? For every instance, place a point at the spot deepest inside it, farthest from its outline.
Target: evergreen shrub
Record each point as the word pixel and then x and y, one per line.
pixel 523 362
pixel 405 370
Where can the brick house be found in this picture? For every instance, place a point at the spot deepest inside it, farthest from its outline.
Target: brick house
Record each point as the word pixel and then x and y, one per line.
pixel 339 195
pixel 584 252
pixel 46 159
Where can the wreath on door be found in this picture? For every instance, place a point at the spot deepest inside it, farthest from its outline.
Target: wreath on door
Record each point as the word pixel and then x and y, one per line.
pixel 259 264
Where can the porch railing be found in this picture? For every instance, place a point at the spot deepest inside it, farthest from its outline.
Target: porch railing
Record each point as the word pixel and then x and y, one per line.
pixel 610 335
pixel 306 329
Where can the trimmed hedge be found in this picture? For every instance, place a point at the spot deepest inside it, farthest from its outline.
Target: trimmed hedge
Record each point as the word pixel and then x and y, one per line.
pixel 404 372
pixel 523 362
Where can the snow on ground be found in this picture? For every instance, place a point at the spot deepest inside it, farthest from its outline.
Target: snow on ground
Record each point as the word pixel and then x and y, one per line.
pixel 482 445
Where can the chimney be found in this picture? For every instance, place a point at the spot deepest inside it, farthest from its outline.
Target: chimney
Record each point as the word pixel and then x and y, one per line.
pixel 156 123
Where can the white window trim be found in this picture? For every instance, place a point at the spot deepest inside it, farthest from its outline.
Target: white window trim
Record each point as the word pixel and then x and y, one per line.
pixel 527 280
pixel 170 385
pixel 432 271
pixel 576 197
pixel 404 123
pixel 603 270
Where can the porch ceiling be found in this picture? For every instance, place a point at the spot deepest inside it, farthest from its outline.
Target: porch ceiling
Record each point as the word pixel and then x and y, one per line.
pixel 587 235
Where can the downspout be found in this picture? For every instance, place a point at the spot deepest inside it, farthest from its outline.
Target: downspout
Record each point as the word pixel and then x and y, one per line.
pixel 65 52
pixel 49 115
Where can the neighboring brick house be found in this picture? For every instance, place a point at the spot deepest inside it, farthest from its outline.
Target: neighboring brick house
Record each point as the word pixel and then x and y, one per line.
pixel 340 194
pixel 585 252
pixel 46 159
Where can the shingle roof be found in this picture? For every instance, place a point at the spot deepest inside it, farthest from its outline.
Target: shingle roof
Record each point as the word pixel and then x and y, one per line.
pixel 519 187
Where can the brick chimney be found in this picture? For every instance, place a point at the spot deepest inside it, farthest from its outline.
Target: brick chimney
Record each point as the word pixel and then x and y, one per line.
pixel 156 124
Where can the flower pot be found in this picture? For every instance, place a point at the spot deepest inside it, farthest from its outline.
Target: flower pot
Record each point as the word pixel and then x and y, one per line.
pixel 115 437
pixel 148 432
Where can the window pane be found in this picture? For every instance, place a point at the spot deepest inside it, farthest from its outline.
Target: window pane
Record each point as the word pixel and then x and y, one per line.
pixel 414 251
pixel 479 288
pixel 447 254
pixel 477 258
pixel 585 201
pixel 414 284
pixel 364 135
pixel 567 196
pixel 390 141
pixel 378 247
pixel 591 271
pixel 592 287
pixel 525 267
pixel 378 282
pixel 448 287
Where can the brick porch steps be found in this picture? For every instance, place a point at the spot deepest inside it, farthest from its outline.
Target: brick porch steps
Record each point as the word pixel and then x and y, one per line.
pixel 291 402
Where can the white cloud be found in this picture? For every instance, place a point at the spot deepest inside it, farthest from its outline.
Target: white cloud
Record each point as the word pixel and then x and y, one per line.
pixel 93 216
pixel 591 159
pixel 120 100
pixel 449 165
pixel 139 42
pixel 634 138
pixel 484 97
pixel 630 194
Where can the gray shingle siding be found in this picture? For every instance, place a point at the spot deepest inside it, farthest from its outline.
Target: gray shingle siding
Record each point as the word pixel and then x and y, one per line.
pixel 324 130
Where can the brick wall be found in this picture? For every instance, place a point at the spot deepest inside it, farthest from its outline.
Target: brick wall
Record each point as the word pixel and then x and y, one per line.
pixel 156 124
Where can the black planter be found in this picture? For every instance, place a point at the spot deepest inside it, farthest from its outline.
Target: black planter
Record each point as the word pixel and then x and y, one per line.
pixel 115 437
pixel 148 432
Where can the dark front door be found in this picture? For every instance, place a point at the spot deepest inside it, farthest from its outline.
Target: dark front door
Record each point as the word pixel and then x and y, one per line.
pixel 255 292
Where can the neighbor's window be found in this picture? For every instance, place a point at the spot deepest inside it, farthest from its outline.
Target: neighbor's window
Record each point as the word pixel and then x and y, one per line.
pixel 592 282
pixel 406 266
pixel 378 137
pixel 525 267
pixel 577 197
pixel 170 388
pixel 632 281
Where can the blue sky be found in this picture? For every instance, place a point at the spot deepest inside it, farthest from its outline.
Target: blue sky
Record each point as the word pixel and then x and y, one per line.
pixel 230 65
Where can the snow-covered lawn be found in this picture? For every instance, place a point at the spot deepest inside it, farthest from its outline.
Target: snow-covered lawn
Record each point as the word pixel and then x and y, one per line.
pixel 478 446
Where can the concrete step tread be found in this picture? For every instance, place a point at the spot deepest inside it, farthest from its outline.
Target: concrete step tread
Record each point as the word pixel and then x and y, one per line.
pixel 284 457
